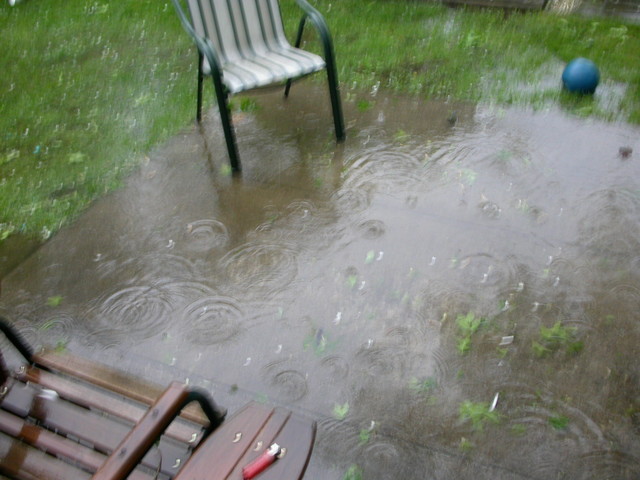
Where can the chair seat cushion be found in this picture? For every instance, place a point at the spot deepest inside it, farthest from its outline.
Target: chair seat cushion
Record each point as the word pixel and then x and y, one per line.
pixel 270 67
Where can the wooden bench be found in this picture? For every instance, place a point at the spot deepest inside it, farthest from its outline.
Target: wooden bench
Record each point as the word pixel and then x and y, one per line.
pixel 64 418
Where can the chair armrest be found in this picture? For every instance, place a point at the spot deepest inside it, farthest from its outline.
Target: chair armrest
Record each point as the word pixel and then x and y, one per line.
pixel 318 22
pixel 313 13
pixel 320 25
pixel 149 429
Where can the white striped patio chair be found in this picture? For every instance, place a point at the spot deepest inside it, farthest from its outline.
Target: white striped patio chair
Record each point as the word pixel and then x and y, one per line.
pixel 242 46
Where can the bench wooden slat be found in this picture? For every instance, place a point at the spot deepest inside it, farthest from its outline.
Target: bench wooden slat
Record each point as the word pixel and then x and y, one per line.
pixel 260 426
pixel 90 397
pixel 101 375
pixel 38 437
pixel 103 432
pixel 224 449
pixel 18 460
pixel 27 401
pixel 113 380
pixel 297 436
pixel 56 445
pixel 263 440
pixel 18 399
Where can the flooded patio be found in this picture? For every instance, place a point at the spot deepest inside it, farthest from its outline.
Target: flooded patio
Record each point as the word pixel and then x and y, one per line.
pixel 452 293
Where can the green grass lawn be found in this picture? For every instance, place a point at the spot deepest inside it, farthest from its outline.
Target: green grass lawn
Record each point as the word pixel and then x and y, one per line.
pixel 88 87
pixel 437 52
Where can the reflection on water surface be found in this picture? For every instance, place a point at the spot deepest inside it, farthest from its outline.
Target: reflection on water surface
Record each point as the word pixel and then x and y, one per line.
pixel 453 293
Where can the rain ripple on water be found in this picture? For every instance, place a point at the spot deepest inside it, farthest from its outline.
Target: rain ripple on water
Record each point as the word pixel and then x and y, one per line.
pixel 260 269
pixel 383 170
pixel 291 385
pixel 202 236
pixel 133 313
pixel 213 320
pixel 149 267
pixel 372 229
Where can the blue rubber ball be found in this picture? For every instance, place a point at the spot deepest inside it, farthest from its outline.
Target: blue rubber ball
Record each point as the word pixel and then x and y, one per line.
pixel 581 76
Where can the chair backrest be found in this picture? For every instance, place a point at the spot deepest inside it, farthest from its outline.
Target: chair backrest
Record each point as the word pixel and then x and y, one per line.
pixel 238 28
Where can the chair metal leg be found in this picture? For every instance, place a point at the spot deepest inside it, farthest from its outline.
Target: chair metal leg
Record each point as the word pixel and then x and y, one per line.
pixel 332 76
pixel 287 88
pixel 303 21
pixel 227 125
pixel 336 105
pixel 200 82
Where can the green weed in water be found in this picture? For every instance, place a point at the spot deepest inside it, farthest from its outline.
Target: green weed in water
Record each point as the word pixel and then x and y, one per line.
pixel 54 301
pixel 225 170
pixel 341 411
pixel 559 422
pixel 468 176
pixel 539 349
pixel 479 413
pixel 557 335
pixel 465 445
pixel 575 347
pixel 519 429
pixel 318 342
pixel 423 386
pixel 353 473
pixel 502 352
pixel 556 338
pixel 371 255
pixel 364 436
pixel 467 325
pixel 401 136
pixel 464 345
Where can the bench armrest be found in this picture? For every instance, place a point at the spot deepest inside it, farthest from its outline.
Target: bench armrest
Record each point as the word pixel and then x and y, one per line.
pixel 16 340
pixel 149 429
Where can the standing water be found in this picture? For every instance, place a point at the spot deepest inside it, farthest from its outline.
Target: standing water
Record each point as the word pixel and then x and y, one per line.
pixel 452 293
